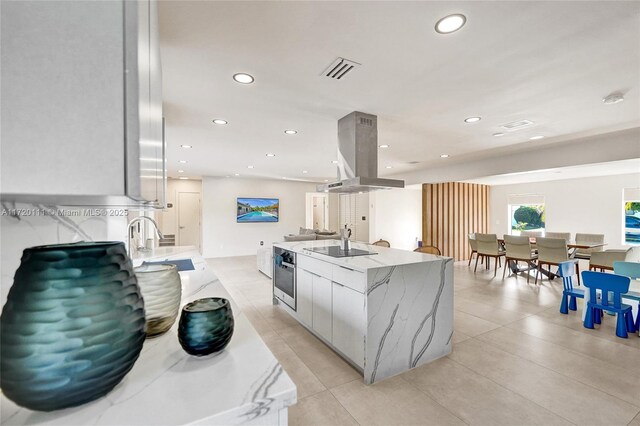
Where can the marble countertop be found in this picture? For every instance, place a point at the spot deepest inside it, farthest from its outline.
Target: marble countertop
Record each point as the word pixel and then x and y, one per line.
pixel 384 257
pixel 166 386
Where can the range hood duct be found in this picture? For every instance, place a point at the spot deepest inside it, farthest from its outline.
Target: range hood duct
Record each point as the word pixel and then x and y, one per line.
pixel 358 157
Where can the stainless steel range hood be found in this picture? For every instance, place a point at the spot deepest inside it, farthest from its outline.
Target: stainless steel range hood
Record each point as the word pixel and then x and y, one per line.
pixel 358 157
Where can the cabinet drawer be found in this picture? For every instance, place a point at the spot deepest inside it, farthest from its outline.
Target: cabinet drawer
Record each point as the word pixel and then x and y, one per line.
pixel 314 266
pixel 351 278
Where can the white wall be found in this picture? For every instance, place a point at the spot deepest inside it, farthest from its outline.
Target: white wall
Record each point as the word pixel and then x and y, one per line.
pixel 591 205
pixel 222 236
pixel 396 216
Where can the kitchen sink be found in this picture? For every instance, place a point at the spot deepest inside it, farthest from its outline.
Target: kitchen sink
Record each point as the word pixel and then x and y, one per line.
pixel 181 264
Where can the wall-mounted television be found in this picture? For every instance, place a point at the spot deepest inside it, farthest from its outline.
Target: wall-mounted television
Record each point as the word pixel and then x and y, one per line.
pixel 257 210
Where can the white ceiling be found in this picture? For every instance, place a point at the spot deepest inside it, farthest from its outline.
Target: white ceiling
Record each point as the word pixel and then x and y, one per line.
pixel 561 173
pixel 549 62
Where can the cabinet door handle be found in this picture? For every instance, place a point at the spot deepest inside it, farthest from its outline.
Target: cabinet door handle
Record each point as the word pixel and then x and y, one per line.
pixel 348 269
pixel 315 275
pixel 341 285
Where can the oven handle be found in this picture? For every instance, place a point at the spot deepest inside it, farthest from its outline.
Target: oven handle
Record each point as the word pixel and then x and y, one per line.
pixel 289 265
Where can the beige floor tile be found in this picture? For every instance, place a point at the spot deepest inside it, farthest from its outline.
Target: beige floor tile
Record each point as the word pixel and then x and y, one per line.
pixel 585 343
pixel 556 392
pixel 476 399
pixel 256 320
pixel 319 409
pixel 275 317
pixel 330 369
pixel 489 313
pixel 392 402
pixel 605 376
pixel 470 324
pixel 502 302
pixel 636 421
pixel 459 336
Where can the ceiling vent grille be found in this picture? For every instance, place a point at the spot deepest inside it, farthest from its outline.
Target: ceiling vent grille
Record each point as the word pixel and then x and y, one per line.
pixel 516 125
pixel 339 68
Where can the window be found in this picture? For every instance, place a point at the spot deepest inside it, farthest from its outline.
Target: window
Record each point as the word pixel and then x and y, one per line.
pixel 526 213
pixel 631 216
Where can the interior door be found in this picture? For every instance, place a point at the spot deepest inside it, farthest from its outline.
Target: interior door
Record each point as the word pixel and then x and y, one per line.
pixel 318 213
pixel 189 219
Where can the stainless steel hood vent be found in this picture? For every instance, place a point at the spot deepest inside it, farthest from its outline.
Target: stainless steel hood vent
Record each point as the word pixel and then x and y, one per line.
pixel 358 157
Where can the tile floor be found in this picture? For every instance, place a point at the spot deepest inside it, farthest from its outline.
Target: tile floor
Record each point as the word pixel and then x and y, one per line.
pixel 516 361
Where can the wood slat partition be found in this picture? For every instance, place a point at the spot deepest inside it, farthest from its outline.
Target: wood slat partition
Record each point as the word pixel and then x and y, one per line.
pixel 450 211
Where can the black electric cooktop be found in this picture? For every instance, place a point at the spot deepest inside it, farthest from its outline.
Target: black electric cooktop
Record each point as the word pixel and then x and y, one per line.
pixel 336 251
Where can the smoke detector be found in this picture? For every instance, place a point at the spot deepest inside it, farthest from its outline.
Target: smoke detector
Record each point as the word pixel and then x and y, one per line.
pixel 339 68
pixel 613 98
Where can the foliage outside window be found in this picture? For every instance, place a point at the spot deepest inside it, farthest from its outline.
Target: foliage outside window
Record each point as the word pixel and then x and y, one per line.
pixel 526 217
pixel 632 222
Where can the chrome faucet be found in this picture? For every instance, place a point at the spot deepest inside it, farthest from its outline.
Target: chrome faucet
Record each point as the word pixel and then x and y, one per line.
pixel 133 222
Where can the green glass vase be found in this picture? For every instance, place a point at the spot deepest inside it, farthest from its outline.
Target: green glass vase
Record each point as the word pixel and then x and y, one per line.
pixel 72 327
pixel 206 326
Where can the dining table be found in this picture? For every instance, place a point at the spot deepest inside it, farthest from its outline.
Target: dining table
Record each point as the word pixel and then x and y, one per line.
pixel 572 247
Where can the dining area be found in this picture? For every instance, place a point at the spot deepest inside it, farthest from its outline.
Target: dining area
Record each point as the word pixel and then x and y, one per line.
pixel 609 282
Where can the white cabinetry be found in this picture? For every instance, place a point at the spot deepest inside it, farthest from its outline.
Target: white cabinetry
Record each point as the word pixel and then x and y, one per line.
pixel 322 323
pixel 304 301
pixel 349 322
pixel 82 103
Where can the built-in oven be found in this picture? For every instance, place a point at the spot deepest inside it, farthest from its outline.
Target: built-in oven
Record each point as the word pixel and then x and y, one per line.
pixel 284 276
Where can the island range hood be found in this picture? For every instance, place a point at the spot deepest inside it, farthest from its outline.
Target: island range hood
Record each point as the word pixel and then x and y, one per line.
pixel 358 157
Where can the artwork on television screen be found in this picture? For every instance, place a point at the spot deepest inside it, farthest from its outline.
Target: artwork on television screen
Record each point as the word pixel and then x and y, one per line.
pixel 257 210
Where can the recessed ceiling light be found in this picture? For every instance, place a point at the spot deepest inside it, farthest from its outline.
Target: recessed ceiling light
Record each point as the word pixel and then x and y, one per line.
pixel 227 176
pixel 291 132
pixel 613 98
pixel 180 171
pixel 183 178
pixel 384 146
pixel 450 23
pixel 270 155
pixel 472 119
pixel 243 78
pixel 535 138
pixel 186 146
pixel 444 155
pixel 326 180
pixel 249 167
pixel 389 167
pixel 236 174
pixel 498 134
pixel 183 161
pixel 305 172
pixel 334 162
pixel 220 121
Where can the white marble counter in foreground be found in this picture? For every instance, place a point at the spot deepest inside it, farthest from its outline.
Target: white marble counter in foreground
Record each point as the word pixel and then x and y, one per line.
pixel 243 384
pixel 403 305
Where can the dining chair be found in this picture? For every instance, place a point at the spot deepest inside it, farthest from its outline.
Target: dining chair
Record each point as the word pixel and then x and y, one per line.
pixel 381 243
pixel 518 249
pixel 612 287
pixel 551 252
pixel 564 235
pixel 588 239
pixel 604 260
pixel 428 250
pixel 534 234
pixel 631 270
pixel 488 248
pixel 567 271
pixel 474 246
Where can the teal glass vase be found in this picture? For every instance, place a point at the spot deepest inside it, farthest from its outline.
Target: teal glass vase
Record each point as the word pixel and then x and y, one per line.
pixel 206 326
pixel 72 326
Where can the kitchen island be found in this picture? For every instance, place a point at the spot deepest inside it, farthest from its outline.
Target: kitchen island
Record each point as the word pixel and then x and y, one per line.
pixel 385 313
pixel 243 384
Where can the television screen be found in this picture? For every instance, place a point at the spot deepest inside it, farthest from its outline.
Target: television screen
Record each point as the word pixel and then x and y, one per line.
pixel 257 210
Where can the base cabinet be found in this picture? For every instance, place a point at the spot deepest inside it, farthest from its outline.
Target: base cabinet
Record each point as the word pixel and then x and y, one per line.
pixel 349 322
pixel 322 311
pixel 304 301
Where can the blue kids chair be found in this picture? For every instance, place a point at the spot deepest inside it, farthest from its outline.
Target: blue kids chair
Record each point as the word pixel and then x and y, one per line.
pixel 567 270
pixel 608 283
pixel 631 270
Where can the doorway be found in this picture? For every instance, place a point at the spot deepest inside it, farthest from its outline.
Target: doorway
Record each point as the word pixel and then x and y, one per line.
pixel 189 219
pixel 319 217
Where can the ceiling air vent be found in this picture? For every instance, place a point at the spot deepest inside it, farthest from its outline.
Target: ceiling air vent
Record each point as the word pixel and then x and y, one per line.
pixel 339 68
pixel 516 125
